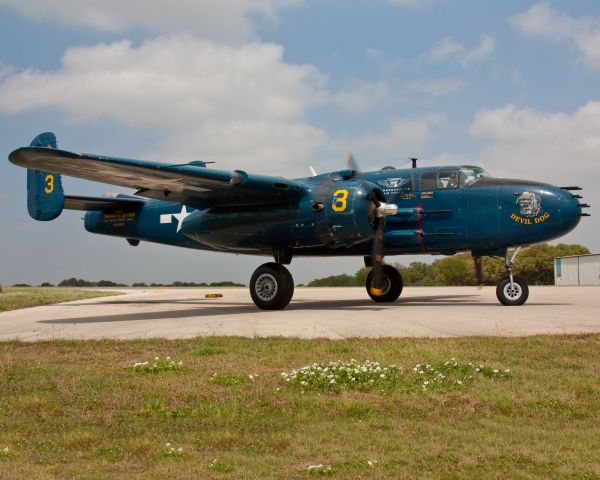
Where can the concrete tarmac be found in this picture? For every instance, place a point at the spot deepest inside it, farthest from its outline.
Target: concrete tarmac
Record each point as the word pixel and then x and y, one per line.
pixel 314 313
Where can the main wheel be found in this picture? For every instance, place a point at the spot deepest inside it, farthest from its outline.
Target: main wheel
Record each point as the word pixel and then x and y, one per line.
pixel 517 295
pixel 271 286
pixel 392 285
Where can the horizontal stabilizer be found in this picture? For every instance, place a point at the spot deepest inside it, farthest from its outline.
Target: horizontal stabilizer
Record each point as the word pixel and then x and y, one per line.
pixel 102 204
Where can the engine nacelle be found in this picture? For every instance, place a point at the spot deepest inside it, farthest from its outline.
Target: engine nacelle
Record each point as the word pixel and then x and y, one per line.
pixel 335 211
pixel 345 212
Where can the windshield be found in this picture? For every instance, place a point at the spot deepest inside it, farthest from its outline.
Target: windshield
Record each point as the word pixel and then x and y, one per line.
pixel 470 175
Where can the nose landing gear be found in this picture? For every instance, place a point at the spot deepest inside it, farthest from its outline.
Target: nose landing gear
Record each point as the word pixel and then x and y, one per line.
pixel 512 290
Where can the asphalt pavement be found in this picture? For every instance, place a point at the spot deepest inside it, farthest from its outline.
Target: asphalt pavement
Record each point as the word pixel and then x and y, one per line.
pixel 314 313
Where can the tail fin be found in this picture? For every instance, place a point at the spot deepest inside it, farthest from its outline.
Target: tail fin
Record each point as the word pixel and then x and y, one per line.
pixel 45 196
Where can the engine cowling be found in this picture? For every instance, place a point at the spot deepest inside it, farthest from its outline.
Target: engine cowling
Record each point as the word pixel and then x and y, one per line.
pixel 346 212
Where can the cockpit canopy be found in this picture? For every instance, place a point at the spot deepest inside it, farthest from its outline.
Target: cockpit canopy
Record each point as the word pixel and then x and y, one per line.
pixel 451 177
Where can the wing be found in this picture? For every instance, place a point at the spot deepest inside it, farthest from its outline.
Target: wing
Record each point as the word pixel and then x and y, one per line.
pixel 189 183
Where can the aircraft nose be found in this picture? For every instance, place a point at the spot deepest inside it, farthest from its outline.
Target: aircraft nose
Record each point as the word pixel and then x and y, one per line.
pixel 569 205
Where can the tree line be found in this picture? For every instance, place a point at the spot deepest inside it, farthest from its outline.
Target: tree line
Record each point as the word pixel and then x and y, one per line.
pixel 534 264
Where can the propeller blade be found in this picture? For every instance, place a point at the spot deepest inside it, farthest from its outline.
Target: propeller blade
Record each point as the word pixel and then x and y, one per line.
pixel 350 162
pixel 382 210
pixel 478 271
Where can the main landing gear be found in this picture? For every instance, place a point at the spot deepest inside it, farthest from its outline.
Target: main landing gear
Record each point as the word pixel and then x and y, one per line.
pixel 271 286
pixel 392 285
pixel 512 290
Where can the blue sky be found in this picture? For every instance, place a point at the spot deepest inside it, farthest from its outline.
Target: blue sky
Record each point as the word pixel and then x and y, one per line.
pixel 273 86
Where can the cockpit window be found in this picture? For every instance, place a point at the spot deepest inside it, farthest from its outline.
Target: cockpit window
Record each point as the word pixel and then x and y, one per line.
pixel 470 175
pixel 448 179
pixel 428 181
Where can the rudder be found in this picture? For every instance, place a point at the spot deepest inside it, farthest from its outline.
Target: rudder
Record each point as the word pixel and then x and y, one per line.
pixel 45 196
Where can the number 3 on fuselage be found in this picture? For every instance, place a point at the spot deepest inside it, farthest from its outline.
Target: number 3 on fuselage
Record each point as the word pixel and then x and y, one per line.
pixel 340 198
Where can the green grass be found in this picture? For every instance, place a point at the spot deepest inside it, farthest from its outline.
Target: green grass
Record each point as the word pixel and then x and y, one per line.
pixel 73 410
pixel 14 298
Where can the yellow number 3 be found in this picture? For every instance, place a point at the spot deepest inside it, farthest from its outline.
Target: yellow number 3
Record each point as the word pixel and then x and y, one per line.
pixel 49 183
pixel 340 197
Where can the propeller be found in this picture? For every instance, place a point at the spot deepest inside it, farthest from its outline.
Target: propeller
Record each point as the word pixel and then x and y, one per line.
pixel 377 254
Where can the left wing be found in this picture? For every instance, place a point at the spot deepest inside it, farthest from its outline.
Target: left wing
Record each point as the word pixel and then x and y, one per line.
pixel 190 183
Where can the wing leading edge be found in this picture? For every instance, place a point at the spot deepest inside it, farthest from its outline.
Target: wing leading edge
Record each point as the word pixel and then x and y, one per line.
pixel 189 183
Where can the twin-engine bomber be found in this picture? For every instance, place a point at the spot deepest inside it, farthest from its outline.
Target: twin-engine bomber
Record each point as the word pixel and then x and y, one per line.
pixel 438 210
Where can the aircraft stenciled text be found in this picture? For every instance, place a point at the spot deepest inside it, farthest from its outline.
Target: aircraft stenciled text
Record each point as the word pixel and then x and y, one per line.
pixel 530 221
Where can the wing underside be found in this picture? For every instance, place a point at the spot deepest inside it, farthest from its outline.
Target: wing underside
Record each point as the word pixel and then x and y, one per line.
pixel 102 204
pixel 188 183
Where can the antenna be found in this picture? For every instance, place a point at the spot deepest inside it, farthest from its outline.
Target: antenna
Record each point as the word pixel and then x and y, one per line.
pixel 414 162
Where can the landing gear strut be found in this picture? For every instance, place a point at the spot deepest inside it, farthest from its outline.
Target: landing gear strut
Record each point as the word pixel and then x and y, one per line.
pixel 512 290
pixel 392 285
pixel 271 286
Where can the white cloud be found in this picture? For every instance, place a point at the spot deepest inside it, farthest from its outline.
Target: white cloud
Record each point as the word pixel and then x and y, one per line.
pixel 541 20
pixel 447 48
pixel 362 95
pixel 260 146
pixel 403 137
pixel 541 145
pixel 208 100
pixel 169 82
pixel 485 48
pixel 229 20
pixel 437 87
pixel 242 106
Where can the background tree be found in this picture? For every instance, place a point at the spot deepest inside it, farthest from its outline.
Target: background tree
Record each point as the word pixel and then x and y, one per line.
pixel 456 270
pixel 534 264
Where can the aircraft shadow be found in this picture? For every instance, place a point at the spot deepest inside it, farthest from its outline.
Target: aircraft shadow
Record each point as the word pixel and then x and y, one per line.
pixel 212 308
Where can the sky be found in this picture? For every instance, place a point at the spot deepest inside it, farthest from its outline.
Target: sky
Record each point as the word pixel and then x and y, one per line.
pixel 276 86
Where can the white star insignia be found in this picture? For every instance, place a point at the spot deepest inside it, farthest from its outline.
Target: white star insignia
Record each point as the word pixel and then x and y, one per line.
pixel 181 217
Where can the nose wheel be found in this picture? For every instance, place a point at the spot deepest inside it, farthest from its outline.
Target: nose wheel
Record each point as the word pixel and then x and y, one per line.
pixel 271 286
pixel 512 291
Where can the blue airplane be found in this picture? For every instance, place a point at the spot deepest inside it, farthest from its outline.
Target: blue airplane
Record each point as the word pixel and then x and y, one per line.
pixel 436 210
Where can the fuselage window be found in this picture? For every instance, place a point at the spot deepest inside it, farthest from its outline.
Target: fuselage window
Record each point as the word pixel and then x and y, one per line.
pixel 428 181
pixel 448 179
pixel 470 175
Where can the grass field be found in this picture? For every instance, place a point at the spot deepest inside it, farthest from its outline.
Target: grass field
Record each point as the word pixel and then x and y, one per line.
pixel 13 298
pixel 73 410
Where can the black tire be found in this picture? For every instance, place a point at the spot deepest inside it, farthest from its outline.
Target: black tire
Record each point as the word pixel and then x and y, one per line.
pixel 519 294
pixel 393 285
pixel 271 286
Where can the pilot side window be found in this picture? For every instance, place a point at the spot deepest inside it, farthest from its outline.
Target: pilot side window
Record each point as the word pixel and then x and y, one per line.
pixel 428 181
pixel 448 179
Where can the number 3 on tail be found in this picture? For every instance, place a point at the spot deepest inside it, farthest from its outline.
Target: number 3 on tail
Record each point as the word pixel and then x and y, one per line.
pixel 340 197
pixel 49 183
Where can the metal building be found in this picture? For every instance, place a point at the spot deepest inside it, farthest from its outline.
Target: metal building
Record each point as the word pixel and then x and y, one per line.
pixel 577 270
